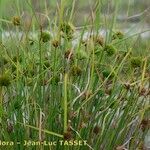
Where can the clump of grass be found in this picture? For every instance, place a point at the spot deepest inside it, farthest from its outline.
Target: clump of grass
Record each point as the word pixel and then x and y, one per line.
pixel 72 83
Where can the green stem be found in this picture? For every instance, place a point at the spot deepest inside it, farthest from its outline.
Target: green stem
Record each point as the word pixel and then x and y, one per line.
pixel 65 102
pixel 1 103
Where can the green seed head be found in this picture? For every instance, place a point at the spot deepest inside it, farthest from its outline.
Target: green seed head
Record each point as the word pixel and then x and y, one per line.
pixel 4 80
pixel 118 35
pixel 108 73
pixel 136 62
pixel 67 30
pixel 16 20
pixel 56 43
pixel 110 50
pixel 45 36
pixel 98 40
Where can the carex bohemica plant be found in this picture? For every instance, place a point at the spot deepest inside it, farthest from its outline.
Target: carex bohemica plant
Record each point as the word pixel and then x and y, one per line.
pixel 73 71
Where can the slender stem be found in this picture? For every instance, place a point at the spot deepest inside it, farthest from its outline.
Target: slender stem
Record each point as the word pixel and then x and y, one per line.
pixel 65 102
pixel 1 103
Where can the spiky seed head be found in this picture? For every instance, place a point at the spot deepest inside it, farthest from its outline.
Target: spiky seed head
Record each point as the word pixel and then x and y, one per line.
pixel 45 36
pixel 56 43
pixel 108 73
pixel 98 40
pixel 110 50
pixel 16 20
pixel 67 30
pixel 69 54
pixel 136 62
pixel 118 35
